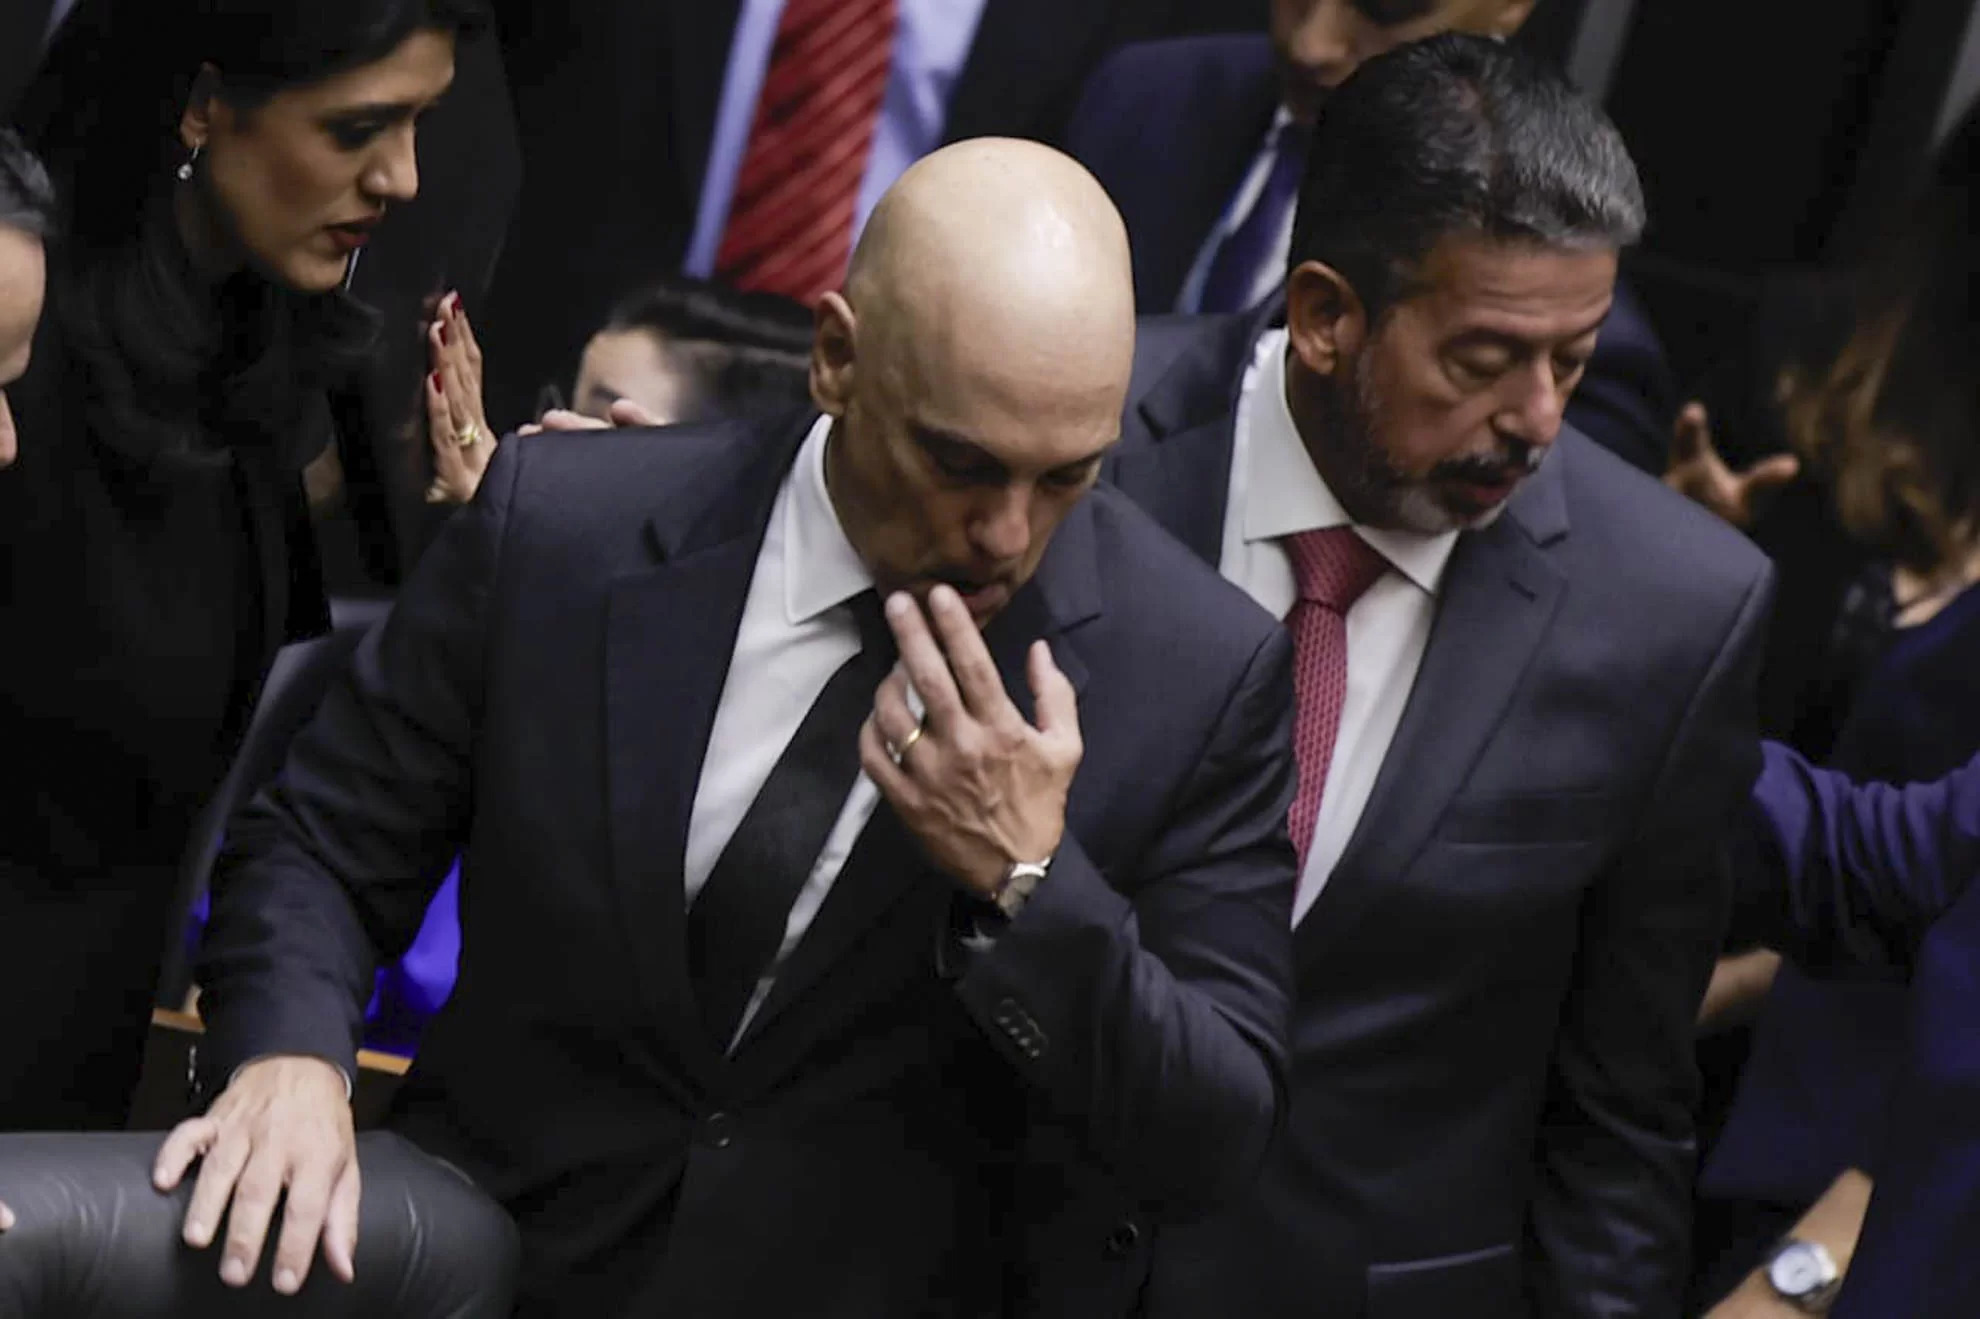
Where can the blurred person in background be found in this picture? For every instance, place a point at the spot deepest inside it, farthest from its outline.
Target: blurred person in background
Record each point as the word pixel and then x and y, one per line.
pixel 679 352
pixel 1860 877
pixel 1887 428
pixel 1200 140
pixel 689 351
pixel 219 163
pixel 27 215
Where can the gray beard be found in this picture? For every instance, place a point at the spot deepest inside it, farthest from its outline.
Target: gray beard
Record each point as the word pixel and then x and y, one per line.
pixel 1375 485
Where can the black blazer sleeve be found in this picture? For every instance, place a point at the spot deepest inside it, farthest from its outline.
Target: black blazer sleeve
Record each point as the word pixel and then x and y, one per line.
pixel 1153 1010
pixel 378 785
pixel 1611 1212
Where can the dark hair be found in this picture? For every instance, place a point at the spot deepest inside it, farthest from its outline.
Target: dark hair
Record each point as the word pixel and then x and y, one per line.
pixel 1893 419
pixel 170 363
pixel 749 352
pixel 1457 134
pixel 27 202
pixel 691 309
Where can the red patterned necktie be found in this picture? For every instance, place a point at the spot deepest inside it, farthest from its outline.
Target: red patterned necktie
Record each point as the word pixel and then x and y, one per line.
pixel 1334 568
pixel 790 223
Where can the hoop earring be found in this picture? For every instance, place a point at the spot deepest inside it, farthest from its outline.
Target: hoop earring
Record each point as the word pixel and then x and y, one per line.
pixel 185 171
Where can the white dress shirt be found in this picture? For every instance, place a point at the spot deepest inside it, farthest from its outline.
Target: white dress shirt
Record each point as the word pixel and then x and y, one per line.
pixel 795 635
pixel 1275 491
pixel 1189 300
pixel 932 41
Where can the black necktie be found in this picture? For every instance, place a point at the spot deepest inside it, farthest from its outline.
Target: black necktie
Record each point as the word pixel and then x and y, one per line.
pixel 736 924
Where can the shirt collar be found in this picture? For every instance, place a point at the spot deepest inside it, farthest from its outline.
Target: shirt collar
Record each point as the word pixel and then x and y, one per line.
pixel 1285 494
pixel 821 568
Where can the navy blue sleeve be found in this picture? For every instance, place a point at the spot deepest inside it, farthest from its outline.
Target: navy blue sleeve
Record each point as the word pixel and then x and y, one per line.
pixel 1852 875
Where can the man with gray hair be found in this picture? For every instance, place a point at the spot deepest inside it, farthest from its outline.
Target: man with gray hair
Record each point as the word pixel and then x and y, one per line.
pixel 1525 681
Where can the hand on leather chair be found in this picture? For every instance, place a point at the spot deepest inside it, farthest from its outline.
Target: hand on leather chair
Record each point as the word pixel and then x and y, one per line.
pixel 94 1239
pixel 281 1131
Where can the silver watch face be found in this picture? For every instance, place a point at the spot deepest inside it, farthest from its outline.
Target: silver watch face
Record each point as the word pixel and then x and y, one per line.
pixel 1799 1270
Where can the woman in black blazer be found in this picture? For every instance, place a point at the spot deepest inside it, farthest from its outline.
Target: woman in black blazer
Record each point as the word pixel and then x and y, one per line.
pixel 220 163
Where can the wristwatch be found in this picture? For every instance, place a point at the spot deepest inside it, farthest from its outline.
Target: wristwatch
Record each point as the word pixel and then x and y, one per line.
pixel 1021 879
pixel 1804 1274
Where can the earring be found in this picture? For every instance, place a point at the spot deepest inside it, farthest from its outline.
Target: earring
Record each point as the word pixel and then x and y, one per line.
pixel 186 170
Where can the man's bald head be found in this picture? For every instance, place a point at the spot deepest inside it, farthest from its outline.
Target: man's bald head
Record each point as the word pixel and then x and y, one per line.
pixel 1000 229
pixel 977 364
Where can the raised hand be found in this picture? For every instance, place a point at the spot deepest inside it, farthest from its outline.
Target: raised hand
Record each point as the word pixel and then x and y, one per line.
pixel 978 786
pixel 281 1131
pixel 456 424
pixel 1701 475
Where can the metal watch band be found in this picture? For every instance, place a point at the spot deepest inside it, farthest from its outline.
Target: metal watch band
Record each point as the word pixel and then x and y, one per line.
pixel 1021 880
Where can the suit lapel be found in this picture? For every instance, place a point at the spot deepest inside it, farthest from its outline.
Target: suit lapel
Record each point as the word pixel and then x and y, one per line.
pixel 670 632
pixel 1498 597
pixel 1179 467
pixel 886 864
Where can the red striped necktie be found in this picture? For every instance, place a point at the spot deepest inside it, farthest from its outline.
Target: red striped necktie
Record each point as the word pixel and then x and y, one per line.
pixel 1334 568
pixel 790 225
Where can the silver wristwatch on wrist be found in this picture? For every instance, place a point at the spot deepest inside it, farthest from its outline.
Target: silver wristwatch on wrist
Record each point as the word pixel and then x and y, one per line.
pixel 1804 1274
pixel 1021 879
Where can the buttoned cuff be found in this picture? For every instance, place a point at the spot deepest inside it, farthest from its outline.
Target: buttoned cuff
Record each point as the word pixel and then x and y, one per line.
pixel 1025 989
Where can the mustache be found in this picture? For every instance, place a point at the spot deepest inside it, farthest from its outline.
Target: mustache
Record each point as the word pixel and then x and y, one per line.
pixel 1491 468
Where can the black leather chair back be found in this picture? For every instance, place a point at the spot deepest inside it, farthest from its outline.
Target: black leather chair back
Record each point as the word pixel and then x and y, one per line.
pixel 94 1240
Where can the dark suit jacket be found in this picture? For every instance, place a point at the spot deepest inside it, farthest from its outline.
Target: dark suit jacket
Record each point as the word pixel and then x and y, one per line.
pixel 1815 1094
pixel 1871 876
pixel 1492 1039
pixel 1916 1255
pixel 543 694
pixel 618 98
pixel 1170 127
pixel 23 24
pixel 141 607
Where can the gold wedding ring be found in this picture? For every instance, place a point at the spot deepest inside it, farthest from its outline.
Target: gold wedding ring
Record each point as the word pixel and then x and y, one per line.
pixel 899 753
pixel 467 439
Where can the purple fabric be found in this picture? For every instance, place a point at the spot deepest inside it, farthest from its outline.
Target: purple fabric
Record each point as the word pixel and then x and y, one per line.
pixel 411 991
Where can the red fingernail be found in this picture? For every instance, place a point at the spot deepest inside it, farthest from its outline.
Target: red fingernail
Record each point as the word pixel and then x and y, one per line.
pixel 454 303
pixel 438 388
pixel 443 334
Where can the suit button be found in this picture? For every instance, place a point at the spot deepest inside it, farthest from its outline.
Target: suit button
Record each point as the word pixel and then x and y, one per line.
pixel 1122 1241
pixel 716 1132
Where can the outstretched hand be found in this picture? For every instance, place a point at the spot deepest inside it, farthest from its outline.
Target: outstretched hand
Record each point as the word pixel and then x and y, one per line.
pixel 979 786
pixel 1701 475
